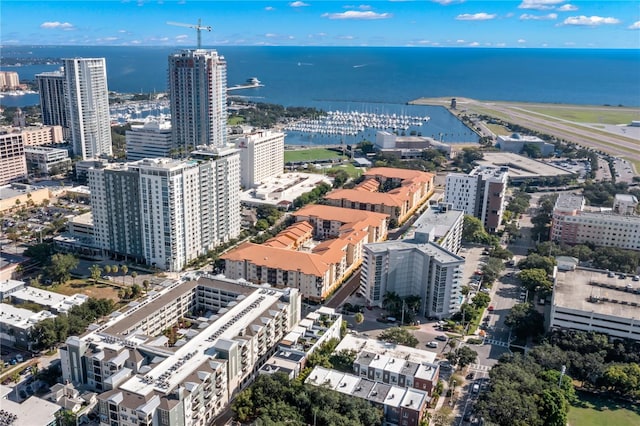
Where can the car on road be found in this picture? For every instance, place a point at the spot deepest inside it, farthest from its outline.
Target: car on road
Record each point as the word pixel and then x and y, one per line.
pixel 432 344
pixel 441 337
pixel 490 308
pixel 471 375
pixel 475 388
pixel 19 358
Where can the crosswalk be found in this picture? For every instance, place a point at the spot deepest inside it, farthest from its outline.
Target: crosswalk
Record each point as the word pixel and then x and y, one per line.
pixel 479 367
pixel 496 343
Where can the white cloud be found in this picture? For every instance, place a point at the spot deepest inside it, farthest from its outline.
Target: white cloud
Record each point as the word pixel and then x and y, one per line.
pixel 539 4
pixel 271 35
pixel 269 8
pixel 501 44
pixel 353 14
pixel 447 2
pixel 298 4
pixel 590 21
pixel 475 17
pixel 567 8
pixel 56 25
pixel 364 7
pixel 521 40
pixel 135 42
pixel 634 26
pixel 474 44
pixel 346 37
pixel 182 37
pixel 122 31
pixel 549 17
pixel 459 41
pixel 110 38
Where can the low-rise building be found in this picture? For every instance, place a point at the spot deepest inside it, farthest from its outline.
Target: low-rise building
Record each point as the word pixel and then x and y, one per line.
pixel 54 302
pixel 13 165
pixel 15 195
pixel 595 300
pixel 409 146
pixel 395 192
pixel 33 411
pixel 16 324
pixel 9 286
pixel 45 160
pixel 517 143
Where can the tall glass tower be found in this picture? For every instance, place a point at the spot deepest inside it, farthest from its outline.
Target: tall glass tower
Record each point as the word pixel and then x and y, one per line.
pixel 88 106
pixel 198 91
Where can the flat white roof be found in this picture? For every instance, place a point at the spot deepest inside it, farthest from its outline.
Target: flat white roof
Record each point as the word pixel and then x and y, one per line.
pixel 360 344
pixel 18 317
pixel 53 300
pixel 31 411
pixel 7 285
pixel 175 369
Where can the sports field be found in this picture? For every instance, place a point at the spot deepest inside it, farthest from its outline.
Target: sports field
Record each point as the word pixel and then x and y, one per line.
pixel 310 154
pixel 592 410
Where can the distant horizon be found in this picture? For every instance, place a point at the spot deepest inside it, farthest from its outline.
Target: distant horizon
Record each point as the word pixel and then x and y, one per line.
pixel 183 47
pixel 613 24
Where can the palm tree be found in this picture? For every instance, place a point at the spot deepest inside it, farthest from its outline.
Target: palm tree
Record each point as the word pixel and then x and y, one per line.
pixel 358 318
pixel 392 302
pixel 134 275
pixel 95 272
pixel 146 285
pixel 107 269
pixel 124 269
pixel 114 269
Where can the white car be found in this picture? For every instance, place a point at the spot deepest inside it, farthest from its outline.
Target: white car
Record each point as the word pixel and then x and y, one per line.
pixel 432 344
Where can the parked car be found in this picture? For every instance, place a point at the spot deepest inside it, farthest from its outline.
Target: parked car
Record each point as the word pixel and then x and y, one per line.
pixel 490 308
pixel 19 358
pixel 432 344
pixel 441 337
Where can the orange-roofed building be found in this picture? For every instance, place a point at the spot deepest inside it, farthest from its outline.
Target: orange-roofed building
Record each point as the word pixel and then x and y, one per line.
pixel 398 192
pixel 332 222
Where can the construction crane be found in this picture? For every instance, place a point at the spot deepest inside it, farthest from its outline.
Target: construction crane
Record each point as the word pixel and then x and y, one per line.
pixel 198 27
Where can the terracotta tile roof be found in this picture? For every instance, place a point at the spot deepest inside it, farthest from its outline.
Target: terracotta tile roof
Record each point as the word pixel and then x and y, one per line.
pixel 339 214
pixel 370 185
pixel 273 257
pixel 292 236
pixel 359 196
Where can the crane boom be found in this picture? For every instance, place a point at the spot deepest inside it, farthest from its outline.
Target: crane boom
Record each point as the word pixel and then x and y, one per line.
pixel 198 27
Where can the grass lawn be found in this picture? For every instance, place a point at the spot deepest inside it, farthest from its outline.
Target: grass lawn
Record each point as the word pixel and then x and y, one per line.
pixel 498 129
pixel 311 154
pixel 234 121
pixel 592 410
pixel 85 287
pixel 352 170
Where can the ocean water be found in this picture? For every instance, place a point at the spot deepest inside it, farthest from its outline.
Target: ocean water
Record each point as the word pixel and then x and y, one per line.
pixel 371 79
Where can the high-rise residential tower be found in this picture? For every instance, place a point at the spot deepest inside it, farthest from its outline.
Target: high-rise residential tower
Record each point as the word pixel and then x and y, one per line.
pixel 52 100
pixel 88 106
pixel 198 91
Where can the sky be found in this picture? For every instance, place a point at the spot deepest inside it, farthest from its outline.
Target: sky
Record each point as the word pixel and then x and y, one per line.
pixel 427 23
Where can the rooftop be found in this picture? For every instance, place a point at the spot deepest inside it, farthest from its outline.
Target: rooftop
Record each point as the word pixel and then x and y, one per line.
pixel 339 214
pixel 22 318
pixel 358 344
pixel 517 137
pixel 404 174
pixel 439 218
pixel 57 301
pixel 201 348
pixel 569 202
pixel 430 248
pixel 6 285
pixel 29 410
pixel 521 167
pixel 592 290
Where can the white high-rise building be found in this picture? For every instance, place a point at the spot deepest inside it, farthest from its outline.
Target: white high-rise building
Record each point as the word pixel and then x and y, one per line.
pixel 87 100
pixel 198 93
pixel 149 140
pixel 261 156
pixel 53 101
pixel 166 212
pixel 481 193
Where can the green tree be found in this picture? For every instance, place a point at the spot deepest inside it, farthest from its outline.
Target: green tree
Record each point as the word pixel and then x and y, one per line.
pixel 60 267
pixel 525 320
pixel 534 278
pixel 43 334
pixel 262 225
pixel 124 270
pixel 398 336
pixel 134 275
pixel 146 284
pixel 492 269
pixel 535 261
pixel 473 230
pixel 358 318
pixel 95 272
pixel 66 418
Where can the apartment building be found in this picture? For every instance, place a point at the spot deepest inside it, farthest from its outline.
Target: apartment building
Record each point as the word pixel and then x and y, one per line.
pixel 481 193
pixel 9 80
pixel 261 156
pixel 51 87
pixel 398 379
pixel 198 94
pixel 145 379
pixel 45 160
pixel 166 212
pixel 311 333
pixel 42 135
pixel 314 255
pixel 595 300
pixel 13 164
pixel 395 192
pixel 571 224
pixel 424 263
pixel 16 324
pixel 87 102
pixel 153 139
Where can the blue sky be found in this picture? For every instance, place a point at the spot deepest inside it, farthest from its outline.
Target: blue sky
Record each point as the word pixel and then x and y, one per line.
pixel 523 23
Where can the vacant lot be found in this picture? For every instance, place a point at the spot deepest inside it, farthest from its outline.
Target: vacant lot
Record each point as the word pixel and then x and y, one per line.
pixel 311 154
pixel 87 287
pixel 592 410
